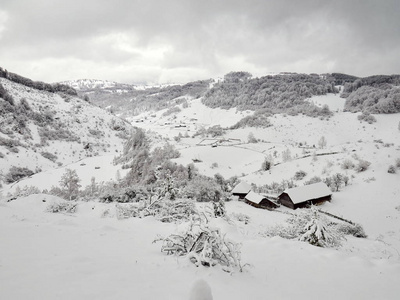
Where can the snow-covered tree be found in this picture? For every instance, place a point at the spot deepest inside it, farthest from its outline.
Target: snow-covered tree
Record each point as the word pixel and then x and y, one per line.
pixel 70 184
pixel 317 232
pixel 322 142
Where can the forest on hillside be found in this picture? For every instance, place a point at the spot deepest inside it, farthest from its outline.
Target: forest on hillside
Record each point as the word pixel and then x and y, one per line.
pixel 378 94
pixel 137 101
pixel 276 94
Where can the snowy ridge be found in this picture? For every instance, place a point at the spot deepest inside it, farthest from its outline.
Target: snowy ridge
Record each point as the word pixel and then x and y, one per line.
pixel 83 85
pixel 75 130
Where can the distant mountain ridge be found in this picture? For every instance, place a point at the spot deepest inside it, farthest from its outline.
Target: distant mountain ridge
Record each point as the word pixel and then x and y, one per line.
pixel 86 85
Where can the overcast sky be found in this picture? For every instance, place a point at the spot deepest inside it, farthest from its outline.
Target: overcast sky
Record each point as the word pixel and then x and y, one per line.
pixel 184 40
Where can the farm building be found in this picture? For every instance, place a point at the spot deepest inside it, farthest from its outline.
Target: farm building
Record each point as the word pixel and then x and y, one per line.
pixel 241 190
pixel 304 196
pixel 259 201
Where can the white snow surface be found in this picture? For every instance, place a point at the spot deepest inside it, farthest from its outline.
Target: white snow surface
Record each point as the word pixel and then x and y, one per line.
pixel 93 255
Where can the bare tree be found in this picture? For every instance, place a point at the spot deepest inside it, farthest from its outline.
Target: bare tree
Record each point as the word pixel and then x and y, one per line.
pixel 70 184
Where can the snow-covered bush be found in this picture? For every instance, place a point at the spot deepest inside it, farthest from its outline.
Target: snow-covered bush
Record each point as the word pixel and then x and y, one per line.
pixel 162 209
pixel 299 175
pixel 347 164
pixel 367 117
pixel 49 156
pixel 62 207
pixel 204 245
pixel 240 217
pixel 17 173
pixel 351 229
pixel 362 166
pixel 310 226
pixel 126 211
pixel 266 165
pixel 26 191
pixel 121 195
pixel 398 163
pixel 312 180
pixel 392 169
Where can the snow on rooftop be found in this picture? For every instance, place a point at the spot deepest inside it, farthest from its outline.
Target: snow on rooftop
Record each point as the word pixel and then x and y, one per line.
pixel 254 197
pixel 242 188
pixel 307 192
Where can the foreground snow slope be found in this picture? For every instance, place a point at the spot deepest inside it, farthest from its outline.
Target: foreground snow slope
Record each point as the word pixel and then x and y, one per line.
pixel 85 256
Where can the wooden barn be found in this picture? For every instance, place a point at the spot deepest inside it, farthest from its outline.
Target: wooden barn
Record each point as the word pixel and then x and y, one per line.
pixel 259 201
pixel 304 196
pixel 241 190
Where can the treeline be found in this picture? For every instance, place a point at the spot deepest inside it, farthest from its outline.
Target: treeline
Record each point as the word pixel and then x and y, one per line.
pixel 39 85
pixel 378 94
pixel 156 98
pixel 375 100
pixel 276 93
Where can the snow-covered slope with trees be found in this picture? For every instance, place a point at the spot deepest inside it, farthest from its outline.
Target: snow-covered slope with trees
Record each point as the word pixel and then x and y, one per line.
pixel 104 248
pixel 42 130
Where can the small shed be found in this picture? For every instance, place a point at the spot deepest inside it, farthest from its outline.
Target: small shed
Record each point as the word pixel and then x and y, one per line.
pixel 241 190
pixel 259 201
pixel 304 196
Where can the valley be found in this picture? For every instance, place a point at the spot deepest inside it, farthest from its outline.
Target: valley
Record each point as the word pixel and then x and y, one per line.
pixel 96 251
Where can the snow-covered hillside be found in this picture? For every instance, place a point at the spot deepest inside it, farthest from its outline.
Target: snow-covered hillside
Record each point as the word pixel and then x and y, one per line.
pixel 74 130
pixel 93 253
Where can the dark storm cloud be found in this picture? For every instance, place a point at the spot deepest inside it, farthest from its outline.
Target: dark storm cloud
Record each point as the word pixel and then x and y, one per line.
pixel 185 40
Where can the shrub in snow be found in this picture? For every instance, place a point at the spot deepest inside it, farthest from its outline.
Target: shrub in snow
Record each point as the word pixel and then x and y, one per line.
pixel 204 245
pixel 126 211
pixel 392 169
pixel 367 117
pixel 122 195
pixel 310 226
pixel 17 173
pixel 240 217
pixel 317 233
pixel 62 207
pixel 347 164
pixel 322 142
pixel 398 162
pixel 299 175
pixel 266 165
pixel 286 155
pixel 49 156
pixel 162 209
pixel 362 166
pixel 312 180
pixel 26 191
pixel 251 138
pixel 219 208
pixel 351 229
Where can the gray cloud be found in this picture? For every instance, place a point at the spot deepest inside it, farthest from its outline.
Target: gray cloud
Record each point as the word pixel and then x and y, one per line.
pixel 174 40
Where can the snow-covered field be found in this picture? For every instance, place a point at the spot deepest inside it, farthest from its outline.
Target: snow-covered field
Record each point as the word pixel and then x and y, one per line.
pixel 89 255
